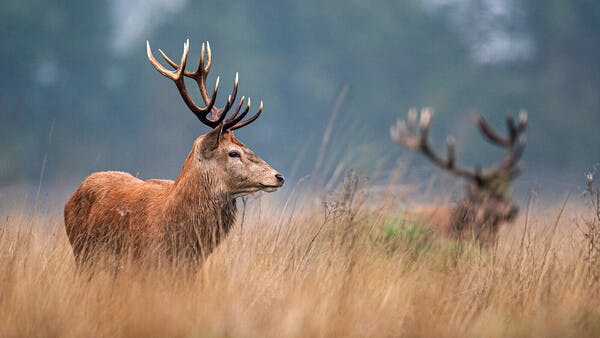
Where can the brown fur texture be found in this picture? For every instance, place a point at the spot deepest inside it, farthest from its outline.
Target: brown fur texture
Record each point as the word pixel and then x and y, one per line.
pixel 481 212
pixel 477 217
pixel 117 212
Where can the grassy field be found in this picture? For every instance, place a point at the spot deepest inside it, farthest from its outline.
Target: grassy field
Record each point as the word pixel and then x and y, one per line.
pixel 343 266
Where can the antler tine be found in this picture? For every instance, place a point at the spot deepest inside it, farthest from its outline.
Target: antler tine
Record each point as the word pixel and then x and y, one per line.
pixel 516 125
pixel 250 120
pixel 514 168
pixel 234 118
pixel 515 129
pixel 424 124
pixel 233 121
pixel 398 134
pixel 511 160
pixel 514 143
pixel 176 76
pixel 450 162
pixel 490 134
pixel 208 58
pixel 202 71
pixel 199 75
pixel 230 99
pixel 511 127
pixel 522 121
pixel 411 121
pixel 406 134
pixel 201 68
pixel 451 151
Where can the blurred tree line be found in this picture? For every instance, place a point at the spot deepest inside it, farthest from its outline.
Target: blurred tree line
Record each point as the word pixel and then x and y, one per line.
pixel 72 104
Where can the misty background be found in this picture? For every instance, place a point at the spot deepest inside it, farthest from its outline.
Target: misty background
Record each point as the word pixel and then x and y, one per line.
pixel 78 95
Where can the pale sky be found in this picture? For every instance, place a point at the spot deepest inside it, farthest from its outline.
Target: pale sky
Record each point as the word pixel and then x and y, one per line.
pixel 133 20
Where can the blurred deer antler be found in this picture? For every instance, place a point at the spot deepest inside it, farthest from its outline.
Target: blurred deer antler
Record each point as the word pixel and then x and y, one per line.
pixel 416 137
pixel 486 203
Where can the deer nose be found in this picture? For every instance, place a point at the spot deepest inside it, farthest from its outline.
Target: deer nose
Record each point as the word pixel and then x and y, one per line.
pixel 279 178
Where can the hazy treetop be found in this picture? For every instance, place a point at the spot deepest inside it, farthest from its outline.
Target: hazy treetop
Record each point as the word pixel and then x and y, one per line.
pixel 78 94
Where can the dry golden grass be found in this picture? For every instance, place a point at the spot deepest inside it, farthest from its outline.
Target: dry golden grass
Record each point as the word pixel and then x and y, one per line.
pixel 312 269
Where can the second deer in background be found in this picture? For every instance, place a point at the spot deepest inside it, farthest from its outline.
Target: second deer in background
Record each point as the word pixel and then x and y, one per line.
pixel 488 202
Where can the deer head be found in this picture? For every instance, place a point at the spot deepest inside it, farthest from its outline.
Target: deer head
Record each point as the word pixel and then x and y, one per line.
pixel 218 157
pixel 487 202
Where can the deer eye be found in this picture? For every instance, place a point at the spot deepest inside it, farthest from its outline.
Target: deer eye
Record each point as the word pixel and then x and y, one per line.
pixel 234 153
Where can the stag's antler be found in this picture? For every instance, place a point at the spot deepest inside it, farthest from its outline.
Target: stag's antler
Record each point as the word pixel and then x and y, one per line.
pixel 406 133
pixel 217 114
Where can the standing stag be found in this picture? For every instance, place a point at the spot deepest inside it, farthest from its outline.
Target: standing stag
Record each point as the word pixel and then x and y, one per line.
pixel 114 211
pixel 487 202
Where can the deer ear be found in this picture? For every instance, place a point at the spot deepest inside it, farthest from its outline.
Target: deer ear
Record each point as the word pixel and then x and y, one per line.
pixel 211 141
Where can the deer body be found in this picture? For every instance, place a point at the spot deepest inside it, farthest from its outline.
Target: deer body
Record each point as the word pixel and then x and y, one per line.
pixel 475 217
pixel 115 211
pixel 118 209
pixel 487 202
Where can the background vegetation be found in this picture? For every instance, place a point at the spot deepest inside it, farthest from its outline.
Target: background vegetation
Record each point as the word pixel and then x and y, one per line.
pixel 77 94
pixel 339 266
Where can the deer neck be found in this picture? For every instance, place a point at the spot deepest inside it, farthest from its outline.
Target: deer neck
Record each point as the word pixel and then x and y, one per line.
pixel 197 197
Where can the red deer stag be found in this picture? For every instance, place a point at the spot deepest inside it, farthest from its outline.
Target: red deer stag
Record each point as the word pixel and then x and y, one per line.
pixel 187 217
pixel 487 202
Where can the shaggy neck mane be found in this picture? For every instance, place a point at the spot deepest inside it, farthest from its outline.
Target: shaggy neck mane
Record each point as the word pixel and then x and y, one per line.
pixel 198 208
